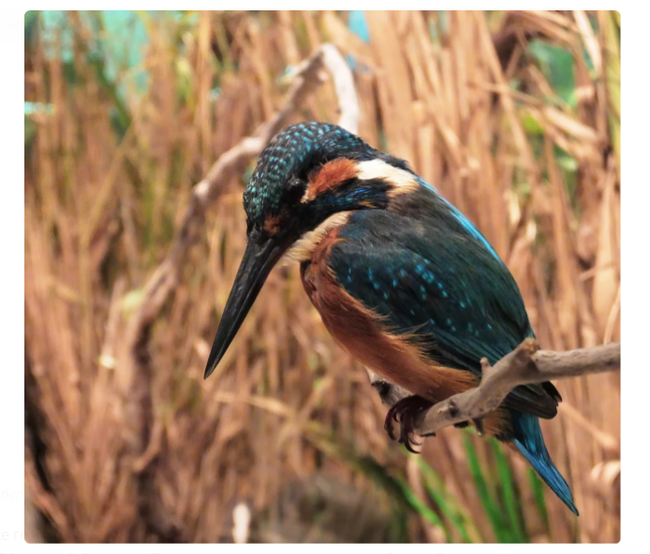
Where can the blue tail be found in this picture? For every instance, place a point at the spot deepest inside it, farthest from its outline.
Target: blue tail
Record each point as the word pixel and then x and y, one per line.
pixel 529 441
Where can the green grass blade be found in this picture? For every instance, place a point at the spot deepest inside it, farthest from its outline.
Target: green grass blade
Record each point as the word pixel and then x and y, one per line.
pixel 449 505
pixel 404 499
pixel 510 494
pixel 538 492
pixel 490 505
pixel 424 511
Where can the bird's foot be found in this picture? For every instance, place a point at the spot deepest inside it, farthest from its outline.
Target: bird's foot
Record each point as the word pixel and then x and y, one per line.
pixel 406 412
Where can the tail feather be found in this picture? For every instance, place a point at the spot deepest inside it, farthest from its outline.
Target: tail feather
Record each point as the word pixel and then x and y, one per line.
pixel 529 441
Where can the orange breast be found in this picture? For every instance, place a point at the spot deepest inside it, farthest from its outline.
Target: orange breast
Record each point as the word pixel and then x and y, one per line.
pixel 360 332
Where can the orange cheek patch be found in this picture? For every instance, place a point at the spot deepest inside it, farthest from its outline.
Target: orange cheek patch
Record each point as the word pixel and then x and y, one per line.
pixel 330 176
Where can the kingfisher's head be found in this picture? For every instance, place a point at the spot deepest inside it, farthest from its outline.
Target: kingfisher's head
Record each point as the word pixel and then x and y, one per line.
pixel 308 173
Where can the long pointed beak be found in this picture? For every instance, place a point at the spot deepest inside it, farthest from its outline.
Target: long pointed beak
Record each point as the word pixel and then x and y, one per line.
pixel 254 269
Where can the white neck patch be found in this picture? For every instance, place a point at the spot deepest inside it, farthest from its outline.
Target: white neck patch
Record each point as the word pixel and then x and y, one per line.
pixel 303 248
pixel 402 180
pixel 379 169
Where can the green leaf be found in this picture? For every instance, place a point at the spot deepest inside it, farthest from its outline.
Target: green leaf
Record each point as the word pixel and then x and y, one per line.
pixel 557 66
pixel 532 126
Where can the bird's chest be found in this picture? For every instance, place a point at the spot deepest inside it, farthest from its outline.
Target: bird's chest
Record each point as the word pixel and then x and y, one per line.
pixel 344 317
pixel 359 331
pixel 318 282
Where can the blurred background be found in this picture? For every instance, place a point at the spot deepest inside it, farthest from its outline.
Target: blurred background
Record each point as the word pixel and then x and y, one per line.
pixel 514 117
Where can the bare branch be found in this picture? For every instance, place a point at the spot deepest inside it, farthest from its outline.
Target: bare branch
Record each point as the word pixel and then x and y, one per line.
pixel 527 364
pixel 230 164
pixel 307 77
pixel 344 86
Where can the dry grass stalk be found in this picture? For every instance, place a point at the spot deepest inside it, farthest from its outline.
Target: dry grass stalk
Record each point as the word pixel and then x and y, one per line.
pixel 99 214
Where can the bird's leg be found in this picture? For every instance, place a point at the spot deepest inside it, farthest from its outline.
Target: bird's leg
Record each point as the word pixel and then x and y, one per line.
pixel 406 412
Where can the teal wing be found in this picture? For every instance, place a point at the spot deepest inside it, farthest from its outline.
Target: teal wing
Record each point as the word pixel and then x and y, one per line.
pixel 443 289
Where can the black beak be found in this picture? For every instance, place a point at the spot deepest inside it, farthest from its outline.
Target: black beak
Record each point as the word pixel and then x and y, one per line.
pixel 254 269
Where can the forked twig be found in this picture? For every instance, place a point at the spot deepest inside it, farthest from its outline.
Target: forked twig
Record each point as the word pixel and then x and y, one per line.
pixel 525 365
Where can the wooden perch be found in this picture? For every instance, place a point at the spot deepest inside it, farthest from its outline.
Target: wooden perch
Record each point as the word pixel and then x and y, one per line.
pixel 525 365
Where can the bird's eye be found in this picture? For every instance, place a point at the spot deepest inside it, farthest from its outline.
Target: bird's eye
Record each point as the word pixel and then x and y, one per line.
pixel 294 190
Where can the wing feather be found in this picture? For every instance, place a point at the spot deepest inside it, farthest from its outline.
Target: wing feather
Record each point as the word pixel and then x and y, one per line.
pixel 449 294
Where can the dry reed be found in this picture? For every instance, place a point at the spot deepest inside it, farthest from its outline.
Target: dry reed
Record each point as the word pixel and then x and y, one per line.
pixel 286 405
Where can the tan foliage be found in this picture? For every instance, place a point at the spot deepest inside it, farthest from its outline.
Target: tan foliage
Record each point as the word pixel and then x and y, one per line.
pixel 99 215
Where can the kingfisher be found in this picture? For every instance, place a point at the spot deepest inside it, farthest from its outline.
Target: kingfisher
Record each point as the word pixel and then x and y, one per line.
pixel 402 280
